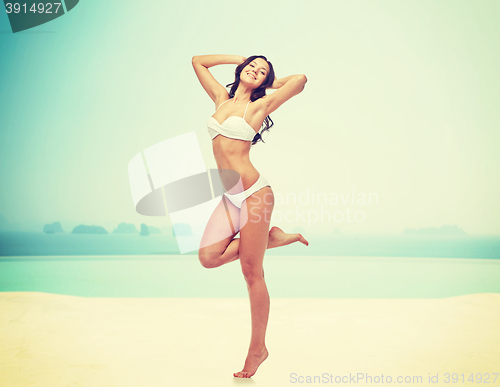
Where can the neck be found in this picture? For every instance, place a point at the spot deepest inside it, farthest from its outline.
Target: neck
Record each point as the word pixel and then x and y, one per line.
pixel 243 93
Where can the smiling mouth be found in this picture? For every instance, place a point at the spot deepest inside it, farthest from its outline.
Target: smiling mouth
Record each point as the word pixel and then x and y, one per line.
pixel 250 75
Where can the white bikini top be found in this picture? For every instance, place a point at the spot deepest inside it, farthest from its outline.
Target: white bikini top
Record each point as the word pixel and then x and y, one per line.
pixel 233 127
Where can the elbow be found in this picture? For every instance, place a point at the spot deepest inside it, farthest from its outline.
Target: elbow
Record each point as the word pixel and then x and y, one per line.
pixel 195 60
pixel 302 78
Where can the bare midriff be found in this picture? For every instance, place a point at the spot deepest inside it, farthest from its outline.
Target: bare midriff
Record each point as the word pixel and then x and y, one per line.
pixel 235 155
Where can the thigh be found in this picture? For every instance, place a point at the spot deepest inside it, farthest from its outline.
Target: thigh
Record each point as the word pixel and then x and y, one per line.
pixel 254 233
pixel 221 228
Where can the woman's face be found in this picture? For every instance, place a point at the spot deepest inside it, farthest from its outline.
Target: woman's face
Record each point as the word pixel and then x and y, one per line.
pixel 255 73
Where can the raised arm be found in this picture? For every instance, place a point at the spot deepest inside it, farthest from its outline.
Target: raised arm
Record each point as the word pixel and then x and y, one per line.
pixel 287 88
pixel 201 64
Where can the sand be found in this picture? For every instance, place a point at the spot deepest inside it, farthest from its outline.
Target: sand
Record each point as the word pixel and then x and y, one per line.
pixel 58 340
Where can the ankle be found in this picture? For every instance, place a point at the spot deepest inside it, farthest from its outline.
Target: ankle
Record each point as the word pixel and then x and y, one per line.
pixel 257 349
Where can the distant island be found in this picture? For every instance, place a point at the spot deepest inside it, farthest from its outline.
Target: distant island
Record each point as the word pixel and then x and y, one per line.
pixel 144 230
pixel 125 228
pixel 129 228
pixel 83 229
pixel 167 230
pixel 154 230
pixel 443 230
pixel 52 228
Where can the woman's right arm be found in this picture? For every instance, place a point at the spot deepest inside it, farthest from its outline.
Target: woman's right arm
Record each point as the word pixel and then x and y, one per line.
pixel 201 64
pixel 280 82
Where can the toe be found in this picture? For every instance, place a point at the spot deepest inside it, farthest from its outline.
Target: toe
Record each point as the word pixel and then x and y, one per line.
pixel 304 240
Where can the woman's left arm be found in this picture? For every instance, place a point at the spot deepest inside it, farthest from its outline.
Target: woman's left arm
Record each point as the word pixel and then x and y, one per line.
pixel 287 88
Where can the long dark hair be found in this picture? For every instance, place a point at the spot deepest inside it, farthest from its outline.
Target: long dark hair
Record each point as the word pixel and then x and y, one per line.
pixel 256 93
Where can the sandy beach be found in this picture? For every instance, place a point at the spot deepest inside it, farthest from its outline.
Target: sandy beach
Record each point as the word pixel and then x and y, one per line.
pixel 59 340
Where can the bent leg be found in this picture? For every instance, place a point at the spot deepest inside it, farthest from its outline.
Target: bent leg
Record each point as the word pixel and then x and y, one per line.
pixel 217 243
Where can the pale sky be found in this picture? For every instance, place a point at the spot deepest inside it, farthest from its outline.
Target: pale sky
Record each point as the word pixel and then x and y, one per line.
pixel 401 103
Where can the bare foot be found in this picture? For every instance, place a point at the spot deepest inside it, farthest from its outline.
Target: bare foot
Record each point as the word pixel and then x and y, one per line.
pixel 277 238
pixel 252 362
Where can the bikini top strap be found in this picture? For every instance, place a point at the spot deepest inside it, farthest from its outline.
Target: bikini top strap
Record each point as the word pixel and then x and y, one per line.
pixel 223 103
pixel 246 109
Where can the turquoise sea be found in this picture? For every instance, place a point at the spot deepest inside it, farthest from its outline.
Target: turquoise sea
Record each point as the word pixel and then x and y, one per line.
pixel 383 245
pixel 340 266
pixel 290 276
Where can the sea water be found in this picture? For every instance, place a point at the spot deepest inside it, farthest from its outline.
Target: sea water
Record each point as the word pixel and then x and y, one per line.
pixel 286 276
pixel 338 266
pixel 384 245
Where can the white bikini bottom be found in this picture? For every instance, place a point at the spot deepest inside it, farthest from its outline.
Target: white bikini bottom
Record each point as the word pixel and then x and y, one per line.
pixel 237 199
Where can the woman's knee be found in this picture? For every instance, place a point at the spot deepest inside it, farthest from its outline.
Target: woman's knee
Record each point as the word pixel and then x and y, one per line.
pixel 206 258
pixel 251 272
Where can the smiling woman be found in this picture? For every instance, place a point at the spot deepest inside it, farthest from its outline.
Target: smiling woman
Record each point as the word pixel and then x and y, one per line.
pixel 248 201
pixel 262 69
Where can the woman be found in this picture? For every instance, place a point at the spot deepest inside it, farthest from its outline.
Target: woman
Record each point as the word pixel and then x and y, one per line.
pixel 245 207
